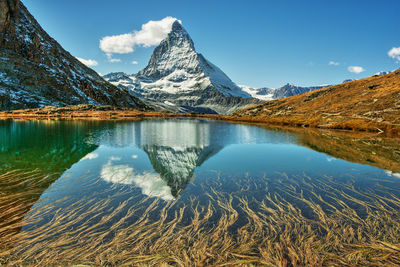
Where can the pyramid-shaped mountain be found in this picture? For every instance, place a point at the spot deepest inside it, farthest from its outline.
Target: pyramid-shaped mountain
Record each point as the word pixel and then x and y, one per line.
pixel 176 165
pixel 36 71
pixel 179 77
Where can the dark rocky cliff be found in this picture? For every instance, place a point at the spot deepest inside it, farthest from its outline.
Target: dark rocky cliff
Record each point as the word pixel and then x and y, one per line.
pixel 36 71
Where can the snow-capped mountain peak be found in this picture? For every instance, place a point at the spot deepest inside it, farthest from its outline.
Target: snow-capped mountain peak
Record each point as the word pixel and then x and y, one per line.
pixel 178 78
pixel 179 75
pixel 176 52
pixel 381 73
pixel 176 61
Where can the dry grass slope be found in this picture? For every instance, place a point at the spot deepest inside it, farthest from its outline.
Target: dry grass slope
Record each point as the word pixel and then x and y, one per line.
pixel 371 104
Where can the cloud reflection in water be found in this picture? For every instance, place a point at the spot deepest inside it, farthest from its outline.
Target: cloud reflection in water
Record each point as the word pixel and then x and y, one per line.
pixel 150 183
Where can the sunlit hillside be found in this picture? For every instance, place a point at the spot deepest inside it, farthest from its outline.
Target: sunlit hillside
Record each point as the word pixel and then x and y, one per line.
pixel 367 104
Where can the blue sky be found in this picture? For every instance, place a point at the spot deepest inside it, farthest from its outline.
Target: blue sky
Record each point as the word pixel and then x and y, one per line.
pixel 257 43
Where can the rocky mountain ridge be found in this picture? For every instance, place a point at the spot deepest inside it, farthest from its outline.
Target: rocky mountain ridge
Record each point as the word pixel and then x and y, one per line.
pixel 130 82
pixel 178 78
pixel 287 90
pixel 181 79
pixel 36 71
pixel 291 90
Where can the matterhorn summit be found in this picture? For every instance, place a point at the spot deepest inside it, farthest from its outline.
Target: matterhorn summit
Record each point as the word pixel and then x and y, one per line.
pixel 179 78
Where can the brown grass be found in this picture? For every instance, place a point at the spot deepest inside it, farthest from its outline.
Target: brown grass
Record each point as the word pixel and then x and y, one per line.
pixel 299 221
pixel 371 104
pixel 19 190
pixel 358 147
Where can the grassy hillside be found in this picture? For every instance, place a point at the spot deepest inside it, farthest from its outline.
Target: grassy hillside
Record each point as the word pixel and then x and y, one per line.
pixel 371 104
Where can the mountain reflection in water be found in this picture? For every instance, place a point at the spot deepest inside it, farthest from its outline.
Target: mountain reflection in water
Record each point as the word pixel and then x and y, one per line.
pixel 174 148
pixel 151 185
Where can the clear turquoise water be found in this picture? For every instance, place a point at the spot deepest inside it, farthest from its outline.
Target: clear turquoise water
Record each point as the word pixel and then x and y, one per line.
pixel 174 160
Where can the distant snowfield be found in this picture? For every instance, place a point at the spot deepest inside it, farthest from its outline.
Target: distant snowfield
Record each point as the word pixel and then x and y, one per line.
pixel 257 92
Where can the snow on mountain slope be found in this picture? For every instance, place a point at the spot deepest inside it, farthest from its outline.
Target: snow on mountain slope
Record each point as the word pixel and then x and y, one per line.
pixel 178 75
pixel 291 90
pixel 381 73
pixel 122 80
pixel 36 71
pixel 176 165
pixel 179 67
pixel 180 79
pixel 264 93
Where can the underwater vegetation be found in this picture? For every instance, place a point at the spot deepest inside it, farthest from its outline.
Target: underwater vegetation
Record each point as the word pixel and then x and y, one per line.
pixel 217 194
pixel 282 219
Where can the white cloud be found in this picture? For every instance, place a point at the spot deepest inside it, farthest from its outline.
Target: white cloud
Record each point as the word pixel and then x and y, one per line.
pixel 394 174
pixel 151 184
pixel 120 44
pixel 111 59
pixel 394 53
pixel 356 69
pixel 151 33
pixel 88 62
pixel 333 63
pixel 330 159
pixel 135 62
pixel 90 156
pixel 114 158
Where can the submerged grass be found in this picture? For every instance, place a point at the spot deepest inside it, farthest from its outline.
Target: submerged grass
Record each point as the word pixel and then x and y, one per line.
pixel 278 220
pixel 19 190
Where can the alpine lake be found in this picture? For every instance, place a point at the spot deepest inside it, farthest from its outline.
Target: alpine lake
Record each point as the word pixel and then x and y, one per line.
pixel 195 192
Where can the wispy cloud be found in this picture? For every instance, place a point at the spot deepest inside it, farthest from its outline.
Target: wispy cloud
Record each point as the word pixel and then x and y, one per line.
pixel 151 33
pixel 111 59
pixel 88 62
pixel 355 69
pixel 333 63
pixel 394 174
pixel 135 62
pixel 90 156
pixel 394 53
pixel 330 159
